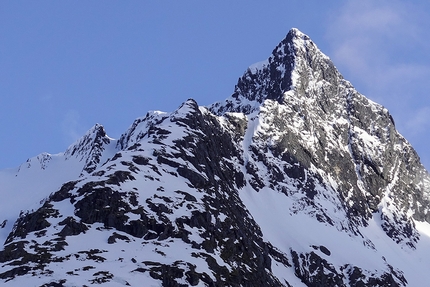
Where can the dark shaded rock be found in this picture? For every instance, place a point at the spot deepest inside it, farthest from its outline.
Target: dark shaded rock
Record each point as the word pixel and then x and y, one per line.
pixel 325 250
pixel 17 271
pixel 119 177
pixel 112 239
pixel 197 180
pixel 30 222
pixel 60 283
pixel 188 197
pixel 140 160
pixel 71 227
pixel 316 271
pixel 64 191
pixel 358 279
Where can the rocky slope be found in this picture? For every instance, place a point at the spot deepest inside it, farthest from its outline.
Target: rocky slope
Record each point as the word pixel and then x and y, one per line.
pixel 295 180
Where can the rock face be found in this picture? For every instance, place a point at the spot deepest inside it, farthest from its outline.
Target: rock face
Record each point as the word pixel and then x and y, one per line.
pixel 295 180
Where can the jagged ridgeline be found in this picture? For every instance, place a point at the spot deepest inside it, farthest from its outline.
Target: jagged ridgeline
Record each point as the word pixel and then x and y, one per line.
pixel 295 180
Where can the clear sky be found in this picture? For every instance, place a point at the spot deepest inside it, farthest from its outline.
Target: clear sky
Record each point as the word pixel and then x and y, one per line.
pixel 66 65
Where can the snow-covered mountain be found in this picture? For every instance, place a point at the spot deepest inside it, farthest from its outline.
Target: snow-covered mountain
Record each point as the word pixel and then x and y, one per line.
pixel 295 180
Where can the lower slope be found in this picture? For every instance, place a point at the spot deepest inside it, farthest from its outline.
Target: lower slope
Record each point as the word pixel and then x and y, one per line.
pixel 195 199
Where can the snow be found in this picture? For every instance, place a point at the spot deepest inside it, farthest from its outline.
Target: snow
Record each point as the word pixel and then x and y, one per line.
pixel 297 231
pixel 25 188
pixel 254 68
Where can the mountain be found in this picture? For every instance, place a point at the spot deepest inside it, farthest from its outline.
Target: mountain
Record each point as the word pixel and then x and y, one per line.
pixel 295 180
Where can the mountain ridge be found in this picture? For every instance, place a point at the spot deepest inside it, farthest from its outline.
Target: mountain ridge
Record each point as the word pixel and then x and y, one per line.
pixel 278 185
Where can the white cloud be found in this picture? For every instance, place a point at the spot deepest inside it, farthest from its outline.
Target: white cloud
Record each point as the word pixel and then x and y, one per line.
pixel 382 48
pixel 366 34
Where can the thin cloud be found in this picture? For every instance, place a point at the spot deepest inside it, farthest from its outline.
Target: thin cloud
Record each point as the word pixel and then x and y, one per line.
pixel 381 47
pixel 70 126
pixel 375 43
pixel 365 34
pixel 420 122
pixel 48 97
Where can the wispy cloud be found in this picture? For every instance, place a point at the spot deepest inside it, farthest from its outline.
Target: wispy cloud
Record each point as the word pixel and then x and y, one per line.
pixel 382 48
pixel 70 126
pixel 374 41
pixel 420 122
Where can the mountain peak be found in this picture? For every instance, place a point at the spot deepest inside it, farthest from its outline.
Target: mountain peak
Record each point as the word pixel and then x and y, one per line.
pixel 297 179
pixel 90 147
pixel 295 63
pixel 81 146
pixel 295 33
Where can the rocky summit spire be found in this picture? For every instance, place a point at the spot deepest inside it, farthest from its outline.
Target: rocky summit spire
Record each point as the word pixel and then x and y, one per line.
pixel 89 148
pixel 306 112
pixel 295 63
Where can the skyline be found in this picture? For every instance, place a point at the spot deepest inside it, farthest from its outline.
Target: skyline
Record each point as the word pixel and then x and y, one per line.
pixel 64 67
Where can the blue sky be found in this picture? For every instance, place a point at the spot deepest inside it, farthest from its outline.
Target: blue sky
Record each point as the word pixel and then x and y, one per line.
pixel 66 65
